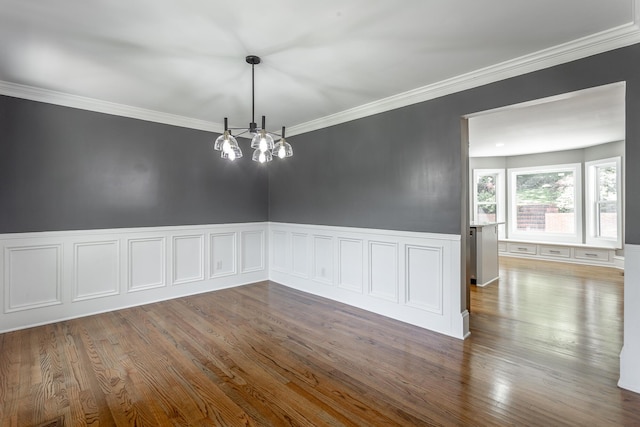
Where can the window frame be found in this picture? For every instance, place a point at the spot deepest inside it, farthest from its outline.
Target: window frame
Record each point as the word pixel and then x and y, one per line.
pixel 514 233
pixel 591 203
pixel 500 197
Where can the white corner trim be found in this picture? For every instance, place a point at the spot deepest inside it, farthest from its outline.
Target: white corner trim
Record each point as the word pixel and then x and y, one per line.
pixel 604 41
pixel 630 354
pixel 99 106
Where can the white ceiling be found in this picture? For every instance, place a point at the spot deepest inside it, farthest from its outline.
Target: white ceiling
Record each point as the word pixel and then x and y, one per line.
pixel 569 121
pixel 186 58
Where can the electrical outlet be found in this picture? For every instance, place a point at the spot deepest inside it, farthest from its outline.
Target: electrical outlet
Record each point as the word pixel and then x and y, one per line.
pixel 219 265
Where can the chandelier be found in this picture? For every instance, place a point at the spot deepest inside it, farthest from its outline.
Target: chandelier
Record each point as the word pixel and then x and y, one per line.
pixel 265 149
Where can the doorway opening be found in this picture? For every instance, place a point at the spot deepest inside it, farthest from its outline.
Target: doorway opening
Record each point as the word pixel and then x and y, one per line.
pixel 550 174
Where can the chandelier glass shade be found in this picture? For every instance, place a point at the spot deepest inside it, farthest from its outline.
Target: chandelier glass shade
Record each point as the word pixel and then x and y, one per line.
pixel 282 148
pixel 265 148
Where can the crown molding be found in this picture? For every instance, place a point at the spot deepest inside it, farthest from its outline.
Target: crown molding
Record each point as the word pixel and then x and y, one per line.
pixel 91 104
pixel 614 38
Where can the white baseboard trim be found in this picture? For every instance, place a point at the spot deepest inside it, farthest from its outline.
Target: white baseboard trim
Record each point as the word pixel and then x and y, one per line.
pixel 488 282
pixel 630 354
pixel 618 262
pixel 408 276
pixel 52 276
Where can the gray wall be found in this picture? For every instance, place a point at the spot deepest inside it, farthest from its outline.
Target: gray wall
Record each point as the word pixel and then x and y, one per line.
pixel 401 169
pixel 62 168
pixel 66 169
pixel 388 171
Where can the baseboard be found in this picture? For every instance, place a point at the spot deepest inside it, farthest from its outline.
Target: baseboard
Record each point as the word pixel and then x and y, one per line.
pixel 488 282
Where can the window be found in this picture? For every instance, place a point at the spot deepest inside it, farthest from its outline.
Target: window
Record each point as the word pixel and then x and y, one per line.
pixel 489 197
pixel 603 202
pixel 545 203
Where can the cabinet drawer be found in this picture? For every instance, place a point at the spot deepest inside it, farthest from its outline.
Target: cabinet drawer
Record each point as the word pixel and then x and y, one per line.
pixel 555 251
pixel 592 254
pixel 522 248
pixel 502 247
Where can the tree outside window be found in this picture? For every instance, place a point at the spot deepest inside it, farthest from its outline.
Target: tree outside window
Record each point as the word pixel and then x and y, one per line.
pixel 545 202
pixel 486 198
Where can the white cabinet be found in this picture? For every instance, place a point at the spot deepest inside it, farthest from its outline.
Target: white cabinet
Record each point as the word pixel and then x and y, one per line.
pixel 522 248
pixel 578 254
pixel 486 253
pixel 555 251
pixel 592 254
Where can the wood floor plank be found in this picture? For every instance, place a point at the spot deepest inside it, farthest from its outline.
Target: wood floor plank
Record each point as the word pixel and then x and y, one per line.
pixel 544 350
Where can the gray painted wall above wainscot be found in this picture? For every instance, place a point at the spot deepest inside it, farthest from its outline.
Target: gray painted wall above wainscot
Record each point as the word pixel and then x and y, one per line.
pixel 67 169
pixel 401 169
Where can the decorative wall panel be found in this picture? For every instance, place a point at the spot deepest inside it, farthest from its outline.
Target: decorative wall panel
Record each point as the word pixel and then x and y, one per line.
pixel 424 277
pixel 409 276
pixel 188 259
pixel 33 276
pixel 350 264
pixel 323 259
pixel 223 255
pixel 96 269
pixel 146 263
pixel 51 276
pixel 299 259
pixel 253 251
pixel 383 270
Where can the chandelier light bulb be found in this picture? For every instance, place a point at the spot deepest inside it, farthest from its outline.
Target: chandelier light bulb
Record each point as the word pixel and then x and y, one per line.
pixel 232 155
pixel 262 157
pixel 226 146
pixel 282 153
pixel 263 144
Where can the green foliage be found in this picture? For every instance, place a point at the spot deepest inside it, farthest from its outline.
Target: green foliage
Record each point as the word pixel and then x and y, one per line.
pixel 550 188
pixel 486 194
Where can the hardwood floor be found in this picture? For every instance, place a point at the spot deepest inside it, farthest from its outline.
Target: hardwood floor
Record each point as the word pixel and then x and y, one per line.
pixel 544 350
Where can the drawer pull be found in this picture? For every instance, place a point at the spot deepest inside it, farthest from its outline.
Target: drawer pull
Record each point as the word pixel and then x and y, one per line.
pixel 554 252
pixel 591 255
pixel 523 249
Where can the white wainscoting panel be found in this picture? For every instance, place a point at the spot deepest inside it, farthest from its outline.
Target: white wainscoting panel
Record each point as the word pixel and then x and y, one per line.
pixel 323 259
pixel 33 277
pixel 253 251
pixel 423 266
pixel 412 277
pixel 279 251
pixel 52 276
pixel 146 263
pixel 299 259
pixel 223 260
pixel 96 269
pixel 188 259
pixel 350 264
pixel 383 270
